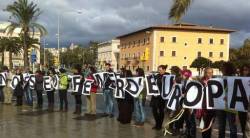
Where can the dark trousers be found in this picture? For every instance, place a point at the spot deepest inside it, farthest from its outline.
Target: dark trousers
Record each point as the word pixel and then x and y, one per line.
pixel 158 113
pixel 243 120
pixel 50 95
pixel 125 113
pixel 39 98
pixel 189 119
pixel 78 99
pixel 63 99
pixel 19 100
pixel 207 134
pixel 223 116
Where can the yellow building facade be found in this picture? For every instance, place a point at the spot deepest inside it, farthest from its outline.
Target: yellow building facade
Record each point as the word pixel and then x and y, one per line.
pixel 173 45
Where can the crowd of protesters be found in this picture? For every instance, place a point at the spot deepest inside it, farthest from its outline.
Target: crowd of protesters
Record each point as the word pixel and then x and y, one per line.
pixel 179 122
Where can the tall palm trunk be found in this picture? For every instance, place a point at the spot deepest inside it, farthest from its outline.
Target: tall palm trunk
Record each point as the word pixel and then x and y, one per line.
pixel 10 60
pixel 3 57
pixel 25 49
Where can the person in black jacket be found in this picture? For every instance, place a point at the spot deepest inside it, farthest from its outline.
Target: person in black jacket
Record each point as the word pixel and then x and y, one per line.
pixel 108 95
pixel 19 91
pixel 39 88
pixel 126 105
pixel 157 102
pixel 78 101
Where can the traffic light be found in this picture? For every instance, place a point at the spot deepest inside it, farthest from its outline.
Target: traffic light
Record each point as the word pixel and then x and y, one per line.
pixel 146 54
pixel 56 62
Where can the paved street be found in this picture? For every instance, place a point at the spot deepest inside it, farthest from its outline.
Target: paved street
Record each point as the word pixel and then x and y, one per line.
pixel 22 122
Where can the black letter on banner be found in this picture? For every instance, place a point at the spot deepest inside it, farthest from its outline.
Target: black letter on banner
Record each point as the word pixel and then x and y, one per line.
pixel 87 87
pixel 101 78
pixel 46 83
pixel 56 82
pixel 242 98
pixel 198 97
pixel 176 96
pixel 15 81
pixel 152 88
pixel 211 94
pixel 167 86
pixel 112 77
pixel 32 81
pixel 3 79
pixel 76 79
pixel 133 87
pixel 119 92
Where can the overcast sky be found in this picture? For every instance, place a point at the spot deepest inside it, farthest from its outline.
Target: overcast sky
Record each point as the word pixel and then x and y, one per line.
pixel 102 20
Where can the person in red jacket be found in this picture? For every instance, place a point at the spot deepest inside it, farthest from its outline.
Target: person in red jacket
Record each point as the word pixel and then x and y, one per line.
pixel 91 99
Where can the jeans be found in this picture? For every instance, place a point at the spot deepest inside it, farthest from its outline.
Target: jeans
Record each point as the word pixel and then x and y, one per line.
pixel 231 117
pixel 139 110
pixel 39 98
pixel 28 96
pixel 109 101
pixel 63 99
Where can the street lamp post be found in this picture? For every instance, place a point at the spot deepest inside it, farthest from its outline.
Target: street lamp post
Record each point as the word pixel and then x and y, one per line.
pixel 44 46
pixel 58 32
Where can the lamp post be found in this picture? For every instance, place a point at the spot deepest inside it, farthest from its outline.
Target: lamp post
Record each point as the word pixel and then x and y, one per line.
pixel 44 46
pixel 58 31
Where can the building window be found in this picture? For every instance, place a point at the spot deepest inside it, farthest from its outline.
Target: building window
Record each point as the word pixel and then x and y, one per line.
pixel 199 54
pixel 162 39
pixel 173 53
pixel 174 39
pixel 147 68
pixel 210 54
pixel 139 42
pixel 134 43
pixel 222 41
pixel 221 54
pixel 161 53
pixel 211 41
pixel 199 40
pixel 144 41
pixel 148 40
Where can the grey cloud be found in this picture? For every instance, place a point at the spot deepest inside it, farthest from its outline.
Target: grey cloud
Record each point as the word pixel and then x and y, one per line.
pixel 105 19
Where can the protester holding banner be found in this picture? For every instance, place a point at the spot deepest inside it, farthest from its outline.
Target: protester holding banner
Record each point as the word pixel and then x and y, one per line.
pixel 27 91
pixel 188 115
pixel 228 69
pixel 108 94
pixel 206 116
pixel 18 90
pixel 126 104
pixel 157 102
pixel 50 93
pixel 91 99
pixel 39 88
pixel 78 99
pixel 63 87
pixel 7 90
pixel 139 102
pixel 173 122
pixel 244 72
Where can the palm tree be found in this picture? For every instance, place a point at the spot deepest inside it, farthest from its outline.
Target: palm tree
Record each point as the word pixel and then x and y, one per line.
pixel 25 14
pixel 178 9
pixel 13 46
pixel 2 47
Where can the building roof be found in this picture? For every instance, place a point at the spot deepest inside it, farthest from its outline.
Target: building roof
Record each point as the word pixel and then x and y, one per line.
pixel 182 27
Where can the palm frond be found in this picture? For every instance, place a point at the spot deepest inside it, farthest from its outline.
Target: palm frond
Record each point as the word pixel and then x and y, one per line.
pixel 178 9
